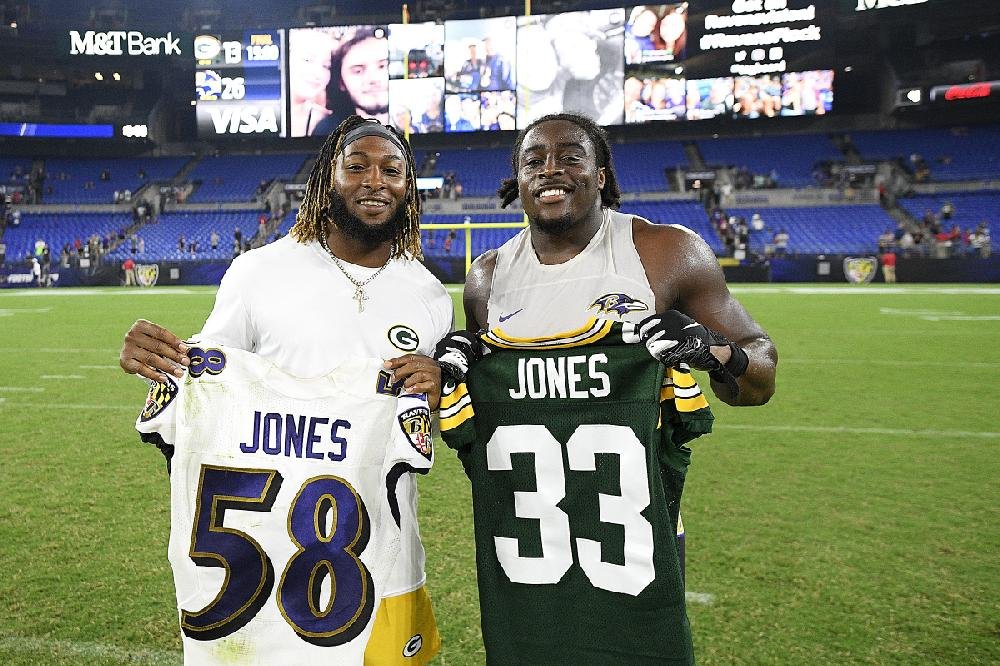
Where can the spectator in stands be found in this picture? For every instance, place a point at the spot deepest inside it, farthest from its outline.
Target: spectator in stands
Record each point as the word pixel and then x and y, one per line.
pixel 885 241
pixel 142 245
pixel 3 252
pixel 889 266
pixel 193 247
pixel 983 240
pixel 213 239
pixel 359 79
pixel 105 175
pixel 757 222
pixel 15 218
pixel 780 241
pixel 181 243
pixel 449 241
pixel 947 210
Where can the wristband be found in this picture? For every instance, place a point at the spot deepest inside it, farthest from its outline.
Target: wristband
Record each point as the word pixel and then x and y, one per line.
pixel 735 367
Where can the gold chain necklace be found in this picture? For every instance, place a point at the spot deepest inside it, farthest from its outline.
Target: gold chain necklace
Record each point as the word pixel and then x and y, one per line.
pixel 359 285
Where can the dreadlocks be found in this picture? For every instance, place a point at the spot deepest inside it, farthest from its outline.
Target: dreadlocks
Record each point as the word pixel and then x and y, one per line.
pixel 313 214
pixel 611 195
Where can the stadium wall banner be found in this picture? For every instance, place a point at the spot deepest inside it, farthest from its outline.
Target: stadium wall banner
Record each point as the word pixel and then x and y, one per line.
pixel 860 270
pixel 803 268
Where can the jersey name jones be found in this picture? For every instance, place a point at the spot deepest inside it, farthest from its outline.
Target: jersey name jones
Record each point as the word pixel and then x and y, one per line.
pixel 562 377
pixel 297 436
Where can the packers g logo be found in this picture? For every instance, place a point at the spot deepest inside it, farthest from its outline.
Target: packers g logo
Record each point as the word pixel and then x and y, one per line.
pixel 413 646
pixel 404 338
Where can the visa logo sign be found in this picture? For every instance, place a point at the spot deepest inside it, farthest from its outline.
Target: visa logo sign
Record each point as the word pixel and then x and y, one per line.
pixel 244 120
pixel 120 42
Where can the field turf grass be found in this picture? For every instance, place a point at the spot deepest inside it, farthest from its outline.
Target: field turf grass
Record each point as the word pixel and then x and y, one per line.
pixel 854 519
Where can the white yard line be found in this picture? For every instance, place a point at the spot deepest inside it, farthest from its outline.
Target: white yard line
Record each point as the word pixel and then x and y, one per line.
pixel 57 377
pixel 915 364
pixel 100 367
pixel 21 389
pixel 704 598
pixel 77 291
pixel 848 430
pixel 862 291
pixel 83 408
pixel 87 652
pixel 10 312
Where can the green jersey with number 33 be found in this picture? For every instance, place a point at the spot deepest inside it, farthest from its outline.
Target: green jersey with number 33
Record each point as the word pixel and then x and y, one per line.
pixel 574 445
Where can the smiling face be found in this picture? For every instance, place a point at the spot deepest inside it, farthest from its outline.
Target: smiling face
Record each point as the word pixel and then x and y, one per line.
pixel 370 187
pixel 364 75
pixel 559 181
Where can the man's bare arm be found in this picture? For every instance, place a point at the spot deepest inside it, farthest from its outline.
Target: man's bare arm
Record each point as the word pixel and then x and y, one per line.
pixel 685 275
pixel 478 283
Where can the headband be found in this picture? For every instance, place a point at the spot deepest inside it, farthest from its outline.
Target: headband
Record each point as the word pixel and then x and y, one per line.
pixel 372 129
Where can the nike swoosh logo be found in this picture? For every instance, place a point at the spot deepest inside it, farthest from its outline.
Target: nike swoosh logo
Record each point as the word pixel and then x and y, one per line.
pixel 504 318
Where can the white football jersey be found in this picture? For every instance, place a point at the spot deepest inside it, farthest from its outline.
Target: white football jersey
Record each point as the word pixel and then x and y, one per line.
pixel 284 517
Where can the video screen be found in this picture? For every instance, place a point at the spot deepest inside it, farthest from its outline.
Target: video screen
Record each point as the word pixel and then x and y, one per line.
pixel 653 97
pixel 480 54
pixel 416 106
pixel 335 72
pixel 462 112
pixel 807 93
pixel 572 62
pixel 238 83
pixel 656 33
pixel 498 110
pixel 416 50
pixel 708 98
pixel 757 96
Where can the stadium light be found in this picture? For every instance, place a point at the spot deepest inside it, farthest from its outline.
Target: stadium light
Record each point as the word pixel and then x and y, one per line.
pixel 98 76
pixel 117 76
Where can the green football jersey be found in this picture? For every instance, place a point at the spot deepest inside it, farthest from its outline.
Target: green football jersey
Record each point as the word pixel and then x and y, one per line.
pixel 575 449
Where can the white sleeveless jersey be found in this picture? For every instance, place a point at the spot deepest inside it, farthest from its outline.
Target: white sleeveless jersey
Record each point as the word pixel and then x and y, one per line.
pixel 285 521
pixel 289 302
pixel 606 280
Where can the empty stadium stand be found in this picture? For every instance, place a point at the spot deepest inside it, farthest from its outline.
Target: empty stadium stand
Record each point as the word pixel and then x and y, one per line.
pixel 792 157
pixel 955 154
pixel 234 178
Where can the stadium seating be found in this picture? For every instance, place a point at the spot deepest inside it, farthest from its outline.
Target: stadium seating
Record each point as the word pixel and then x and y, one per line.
pixel 479 170
pixel 482 239
pixel 234 178
pixel 161 237
pixel 58 230
pixel 689 214
pixel 79 180
pixel 972 153
pixel 971 208
pixel 820 229
pixel 640 167
pixel 792 157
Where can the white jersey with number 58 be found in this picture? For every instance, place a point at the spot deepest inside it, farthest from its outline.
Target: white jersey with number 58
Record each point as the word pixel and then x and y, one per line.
pixel 284 518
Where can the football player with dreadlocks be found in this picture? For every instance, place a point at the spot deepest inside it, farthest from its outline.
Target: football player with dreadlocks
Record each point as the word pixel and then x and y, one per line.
pixel 606 584
pixel 346 282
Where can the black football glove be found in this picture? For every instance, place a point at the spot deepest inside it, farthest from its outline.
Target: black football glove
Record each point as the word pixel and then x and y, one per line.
pixel 456 352
pixel 673 338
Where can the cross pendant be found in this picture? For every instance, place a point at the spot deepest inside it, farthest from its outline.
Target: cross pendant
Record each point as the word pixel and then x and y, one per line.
pixel 359 296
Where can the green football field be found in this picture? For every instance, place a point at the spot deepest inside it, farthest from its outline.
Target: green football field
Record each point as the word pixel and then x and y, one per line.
pixel 854 519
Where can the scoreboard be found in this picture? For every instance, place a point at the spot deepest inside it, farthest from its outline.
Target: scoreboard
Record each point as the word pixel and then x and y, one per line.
pixel 239 83
pixel 676 61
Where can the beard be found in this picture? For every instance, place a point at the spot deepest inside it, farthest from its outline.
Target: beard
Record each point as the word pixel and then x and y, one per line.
pixel 358 229
pixel 556 226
